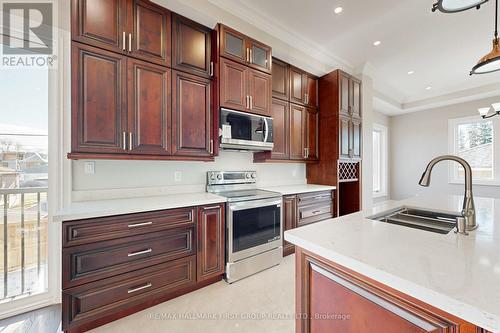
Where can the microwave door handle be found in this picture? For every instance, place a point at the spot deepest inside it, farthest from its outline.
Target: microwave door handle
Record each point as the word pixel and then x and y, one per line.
pixel 265 129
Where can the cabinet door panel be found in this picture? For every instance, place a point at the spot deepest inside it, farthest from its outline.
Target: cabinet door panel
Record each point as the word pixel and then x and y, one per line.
pixel 356 139
pixel 312 134
pixel 151 32
pixel 289 220
pixel 356 98
pixel 259 89
pixel 297 85
pixel 211 246
pixel 149 110
pixel 98 99
pixel 344 134
pixel 191 46
pixel 280 112
pixel 233 44
pixel 99 23
pixel 312 91
pixel 233 85
pixel 297 132
pixel 281 79
pixel 344 94
pixel 259 56
pixel 191 115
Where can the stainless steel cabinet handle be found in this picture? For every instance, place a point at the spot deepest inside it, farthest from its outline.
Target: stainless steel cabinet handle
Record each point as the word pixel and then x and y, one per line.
pixel 248 102
pixel 124 41
pixel 251 102
pixel 138 253
pixel 130 141
pixel 124 140
pixel 305 152
pixel 248 54
pixel 211 146
pixel 130 42
pixel 133 290
pixel 136 225
pixel 319 197
pixel 211 207
pixel 251 60
pixel 211 68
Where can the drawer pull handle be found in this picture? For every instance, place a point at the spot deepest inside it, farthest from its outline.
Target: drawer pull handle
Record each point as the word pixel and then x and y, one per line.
pixel 322 197
pixel 211 207
pixel 133 254
pixel 136 225
pixel 316 212
pixel 133 290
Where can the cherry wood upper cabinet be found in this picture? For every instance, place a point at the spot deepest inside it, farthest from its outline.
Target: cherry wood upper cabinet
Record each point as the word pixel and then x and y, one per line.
pixel 281 79
pixel 149 108
pixel 355 98
pixel 312 119
pixel 191 46
pixel 151 32
pixel 297 85
pixel 238 47
pixel 297 132
pixel 100 23
pixel 311 91
pixel 345 99
pixel 138 28
pixel 211 246
pixel 344 136
pixel 191 116
pixel 280 112
pixel 233 85
pixel 259 92
pixel 356 138
pixel 98 100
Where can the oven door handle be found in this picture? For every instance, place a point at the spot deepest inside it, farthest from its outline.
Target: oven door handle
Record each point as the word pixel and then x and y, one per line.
pixel 254 204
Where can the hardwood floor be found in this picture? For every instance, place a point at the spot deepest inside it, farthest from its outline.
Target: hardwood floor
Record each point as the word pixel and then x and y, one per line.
pixel 44 320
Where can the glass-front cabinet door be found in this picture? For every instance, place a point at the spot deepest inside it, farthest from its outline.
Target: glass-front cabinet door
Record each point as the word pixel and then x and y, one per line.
pixel 260 55
pixel 233 44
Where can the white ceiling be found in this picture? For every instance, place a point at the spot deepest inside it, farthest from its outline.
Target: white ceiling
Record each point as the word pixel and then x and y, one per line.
pixel 440 48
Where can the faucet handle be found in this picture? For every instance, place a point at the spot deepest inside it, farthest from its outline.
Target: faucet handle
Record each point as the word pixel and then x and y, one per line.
pixel 461 226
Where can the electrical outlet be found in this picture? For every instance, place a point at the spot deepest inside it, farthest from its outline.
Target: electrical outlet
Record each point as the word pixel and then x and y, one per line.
pixel 89 168
pixel 178 176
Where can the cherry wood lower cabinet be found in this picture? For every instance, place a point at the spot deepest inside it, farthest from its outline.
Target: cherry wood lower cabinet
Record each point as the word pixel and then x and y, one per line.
pixel 331 298
pixel 305 208
pixel 114 266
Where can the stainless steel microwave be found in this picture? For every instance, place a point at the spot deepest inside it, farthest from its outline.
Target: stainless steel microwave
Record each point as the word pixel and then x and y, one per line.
pixel 245 131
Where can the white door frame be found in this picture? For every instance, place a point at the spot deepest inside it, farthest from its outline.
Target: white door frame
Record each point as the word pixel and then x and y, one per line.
pixel 59 166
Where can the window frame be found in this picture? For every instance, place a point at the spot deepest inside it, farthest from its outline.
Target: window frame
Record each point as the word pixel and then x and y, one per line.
pixel 384 160
pixel 452 137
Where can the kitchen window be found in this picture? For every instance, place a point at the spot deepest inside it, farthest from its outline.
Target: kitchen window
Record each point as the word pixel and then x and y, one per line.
pixel 474 140
pixel 380 160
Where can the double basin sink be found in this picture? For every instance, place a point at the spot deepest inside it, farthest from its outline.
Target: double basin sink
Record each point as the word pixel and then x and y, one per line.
pixel 437 222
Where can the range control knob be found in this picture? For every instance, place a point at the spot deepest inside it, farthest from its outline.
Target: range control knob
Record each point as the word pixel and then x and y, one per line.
pixel 212 176
pixel 248 175
pixel 219 176
pixel 254 175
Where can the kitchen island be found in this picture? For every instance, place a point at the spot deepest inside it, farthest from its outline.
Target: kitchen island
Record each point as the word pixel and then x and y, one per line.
pixel 354 274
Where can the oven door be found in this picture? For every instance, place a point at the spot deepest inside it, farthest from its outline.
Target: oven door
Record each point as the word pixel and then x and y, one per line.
pixel 253 227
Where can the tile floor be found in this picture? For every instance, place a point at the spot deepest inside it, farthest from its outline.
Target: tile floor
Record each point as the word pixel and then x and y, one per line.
pixel 263 303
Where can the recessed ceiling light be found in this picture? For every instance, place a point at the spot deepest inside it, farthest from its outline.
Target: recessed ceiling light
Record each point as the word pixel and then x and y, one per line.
pixel 338 10
pixel 428 88
pixel 377 43
pixel 411 72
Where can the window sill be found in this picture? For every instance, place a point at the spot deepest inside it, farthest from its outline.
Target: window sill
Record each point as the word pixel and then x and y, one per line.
pixel 476 182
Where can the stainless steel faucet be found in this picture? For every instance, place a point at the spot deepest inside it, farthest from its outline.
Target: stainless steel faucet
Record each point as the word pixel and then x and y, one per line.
pixel 468 209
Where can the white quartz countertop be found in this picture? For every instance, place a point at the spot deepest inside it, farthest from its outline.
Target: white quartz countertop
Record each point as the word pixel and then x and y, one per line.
pixel 90 209
pixel 297 189
pixel 456 273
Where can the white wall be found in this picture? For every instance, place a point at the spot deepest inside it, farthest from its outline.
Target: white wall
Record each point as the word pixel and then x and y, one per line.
pixel 418 137
pixel 384 120
pixel 367 164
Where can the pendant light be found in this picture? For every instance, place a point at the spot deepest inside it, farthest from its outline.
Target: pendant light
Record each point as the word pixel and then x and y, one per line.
pixel 455 6
pixel 492 111
pixel 490 62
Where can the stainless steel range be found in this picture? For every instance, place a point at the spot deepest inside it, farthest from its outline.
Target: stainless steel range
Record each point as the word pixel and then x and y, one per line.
pixel 253 223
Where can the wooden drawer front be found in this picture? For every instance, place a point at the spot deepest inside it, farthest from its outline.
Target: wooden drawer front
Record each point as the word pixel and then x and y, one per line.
pixel 315 213
pixel 83 264
pixel 106 228
pixel 92 301
pixel 314 197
